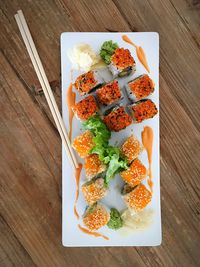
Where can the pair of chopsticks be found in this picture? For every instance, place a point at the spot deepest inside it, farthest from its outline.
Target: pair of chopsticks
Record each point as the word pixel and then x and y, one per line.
pixel 37 64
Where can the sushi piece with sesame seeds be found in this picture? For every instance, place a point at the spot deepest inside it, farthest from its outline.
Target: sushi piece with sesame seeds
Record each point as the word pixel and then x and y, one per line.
pixel 94 190
pixel 135 173
pixel 122 63
pixel 86 108
pixel 137 199
pixel 96 216
pixel 83 144
pixel 87 82
pixel 109 94
pixel 117 119
pixel 142 110
pixel 139 88
pixel 93 166
pixel 131 148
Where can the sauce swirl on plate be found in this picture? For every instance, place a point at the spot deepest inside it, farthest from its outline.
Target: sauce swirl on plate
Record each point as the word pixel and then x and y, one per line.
pixel 77 176
pixel 147 140
pixel 71 98
pixel 96 234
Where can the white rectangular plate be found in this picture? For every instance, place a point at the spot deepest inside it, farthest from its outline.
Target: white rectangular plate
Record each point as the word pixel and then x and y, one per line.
pixel 71 234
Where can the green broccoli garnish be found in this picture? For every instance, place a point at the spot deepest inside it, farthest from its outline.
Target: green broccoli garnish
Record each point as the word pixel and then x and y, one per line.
pixel 115 221
pixel 107 50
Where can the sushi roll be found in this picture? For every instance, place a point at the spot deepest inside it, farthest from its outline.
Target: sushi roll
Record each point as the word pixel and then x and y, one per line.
pixel 109 93
pixel 138 198
pixel 93 166
pixel 94 190
pixel 83 144
pixel 86 108
pixel 96 216
pixel 131 148
pixel 142 110
pixel 135 173
pixel 87 82
pixel 122 63
pixel 126 189
pixel 139 88
pixel 117 119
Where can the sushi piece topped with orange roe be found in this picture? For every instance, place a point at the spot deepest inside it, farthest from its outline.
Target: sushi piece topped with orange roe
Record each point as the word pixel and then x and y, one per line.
pixel 122 63
pixel 131 148
pixel 138 198
pixel 87 82
pixel 140 87
pixel 86 108
pixel 142 110
pixel 117 119
pixel 94 190
pixel 95 217
pixel 93 166
pixel 83 144
pixel 122 58
pixel 109 93
pixel 135 173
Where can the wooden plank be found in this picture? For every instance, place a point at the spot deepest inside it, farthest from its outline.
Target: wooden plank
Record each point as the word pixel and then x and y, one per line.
pixel 30 185
pixel 94 15
pixel 188 11
pixel 11 251
pixel 49 36
pixel 179 183
pixel 25 109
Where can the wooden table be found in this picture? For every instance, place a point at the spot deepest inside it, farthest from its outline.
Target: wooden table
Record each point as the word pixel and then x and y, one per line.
pixel 30 147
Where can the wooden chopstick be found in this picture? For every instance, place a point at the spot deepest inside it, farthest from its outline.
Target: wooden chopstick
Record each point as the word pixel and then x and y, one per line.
pixel 37 64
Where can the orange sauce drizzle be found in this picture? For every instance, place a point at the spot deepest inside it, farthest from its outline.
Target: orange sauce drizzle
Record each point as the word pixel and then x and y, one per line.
pixel 86 231
pixel 142 57
pixel 140 52
pixel 128 40
pixel 71 98
pixel 77 176
pixel 147 140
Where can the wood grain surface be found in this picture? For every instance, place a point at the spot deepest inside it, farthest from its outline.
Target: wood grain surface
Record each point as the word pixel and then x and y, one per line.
pixel 30 147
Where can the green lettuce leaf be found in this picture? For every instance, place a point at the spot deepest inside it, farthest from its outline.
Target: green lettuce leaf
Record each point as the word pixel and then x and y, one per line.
pixel 116 163
pixel 110 155
pixel 99 129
